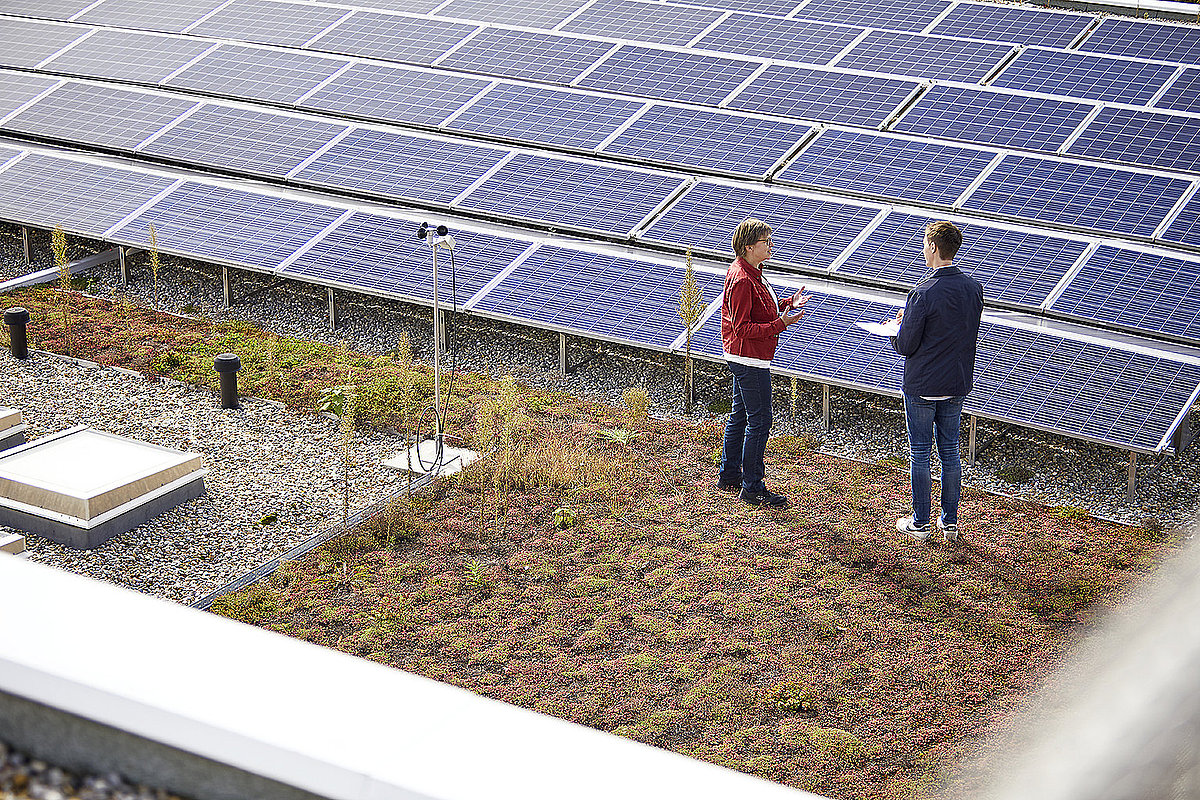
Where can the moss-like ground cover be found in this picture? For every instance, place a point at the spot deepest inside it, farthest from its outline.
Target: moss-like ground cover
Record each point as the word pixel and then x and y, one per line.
pixel 587 568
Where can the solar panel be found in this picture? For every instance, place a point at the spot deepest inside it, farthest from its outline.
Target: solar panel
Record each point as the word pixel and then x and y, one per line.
pixel 1185 228
pixel 776 8
pixel 1081 75
pixel 516 54
pixel 1073 193
pixel 897 15
pixel 267 22
pixel 1026 26
pixel 563 193
pixel 18 88
pixel 980 115
pixel 784 39
pixel 809 232
pixel 1014 266
pixel 243 140
pixel 395 94
pixel 528 14
pixel 127 56
pixel 642 22
pixel 382 254
pixel 1184 93
pixel 83 198
pixel 407 6
pixel 276 76
pixel 46 9
pixel 538 114
pixel 27 43
pixel 89 107
pixel 688 77
pixel 393 38
pixel 150 15
pixel 1141 137
pixel 925 56
pixel 595 294
pixel 824 95
pixel 1159 41
pixel 1136 289
pixel 400 166
pixel 221 224
pixel 696 137
pixel 1128 400
pixel 907 169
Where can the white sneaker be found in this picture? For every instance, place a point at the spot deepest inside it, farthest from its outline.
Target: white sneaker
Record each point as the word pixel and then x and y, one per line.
pixel 918 532
pixel 951 531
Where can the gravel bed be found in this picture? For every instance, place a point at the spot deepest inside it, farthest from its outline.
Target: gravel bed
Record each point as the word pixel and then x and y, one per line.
pixel 25 777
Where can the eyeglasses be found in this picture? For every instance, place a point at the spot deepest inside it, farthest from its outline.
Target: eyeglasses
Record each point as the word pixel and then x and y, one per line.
pixel 768 241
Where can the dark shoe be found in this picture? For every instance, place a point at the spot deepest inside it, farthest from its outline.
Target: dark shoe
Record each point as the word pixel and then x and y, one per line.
pixel 764 497
pixel 736 486
pixel 908 525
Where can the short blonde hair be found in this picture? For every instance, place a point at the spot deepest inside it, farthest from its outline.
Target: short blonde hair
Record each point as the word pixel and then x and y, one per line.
pixel 747 233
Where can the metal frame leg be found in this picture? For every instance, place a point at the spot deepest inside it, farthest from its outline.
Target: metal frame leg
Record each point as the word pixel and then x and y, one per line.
pixel 1132 488
pixel 226 287
pixel 123 265
pixel 971 441
pixel 25 245
pixel 562 354
pixel 333 320
pixel 825 405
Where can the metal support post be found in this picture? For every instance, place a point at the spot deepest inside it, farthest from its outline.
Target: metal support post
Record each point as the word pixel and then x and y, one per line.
pixel 1132 476
pixel 226 287
pixel 825 405
pixel 123 264
pixel 562 354
pixel 25 244
pixel 971 441
pixel 333 321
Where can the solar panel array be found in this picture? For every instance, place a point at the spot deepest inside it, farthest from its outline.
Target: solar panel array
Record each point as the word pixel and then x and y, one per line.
pixel 653 80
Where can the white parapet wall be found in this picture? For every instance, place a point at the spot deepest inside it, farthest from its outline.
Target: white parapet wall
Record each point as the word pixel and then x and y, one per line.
pixel 207 707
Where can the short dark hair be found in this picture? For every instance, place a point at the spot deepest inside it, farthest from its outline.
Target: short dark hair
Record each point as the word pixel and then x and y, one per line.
pixel 747 233
pixel 946 236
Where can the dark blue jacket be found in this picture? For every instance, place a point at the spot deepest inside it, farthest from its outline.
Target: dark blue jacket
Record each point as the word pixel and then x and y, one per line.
pixel 939 334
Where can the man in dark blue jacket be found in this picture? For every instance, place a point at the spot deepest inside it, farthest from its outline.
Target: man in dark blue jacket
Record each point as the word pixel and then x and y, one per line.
pixel 938 334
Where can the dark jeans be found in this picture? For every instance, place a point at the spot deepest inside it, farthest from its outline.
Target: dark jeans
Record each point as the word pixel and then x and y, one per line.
pixel 748 426
pixel 924 417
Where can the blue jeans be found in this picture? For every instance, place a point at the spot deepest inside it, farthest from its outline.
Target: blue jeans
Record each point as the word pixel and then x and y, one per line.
pixel 923 418
pixel 747 429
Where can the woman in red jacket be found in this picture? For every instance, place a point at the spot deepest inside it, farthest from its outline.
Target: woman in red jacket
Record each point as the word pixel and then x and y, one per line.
pixel 752 318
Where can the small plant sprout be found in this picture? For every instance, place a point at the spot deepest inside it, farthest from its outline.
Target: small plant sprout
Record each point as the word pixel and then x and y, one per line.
pixel 691 307
pixel 637 400
pixel 564 517
pixel 58 243
pixel 795 393
pixel 154 264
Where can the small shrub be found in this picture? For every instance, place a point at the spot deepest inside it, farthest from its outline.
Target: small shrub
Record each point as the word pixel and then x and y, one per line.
pixel 1014 473
pixel 393 526
pixel 793 698
pixel 253 604
pixel 1070 513
pixel 564 517
pixel 637 400
pixel 722 405
pixel 475 577
pixel 837 745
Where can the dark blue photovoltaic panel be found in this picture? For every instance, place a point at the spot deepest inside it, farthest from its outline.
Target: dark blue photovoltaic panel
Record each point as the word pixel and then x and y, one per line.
pixel 784 39
pixel 1014 266
pixel 1139 290
pixel 1081 75
pixel 688 77
pixel 1119 36
pixel 925 56
pixel 395 94
pixel 127 56
pixel 896 15
pixel 150 15
pixel 1026 26
pixel 775 8
pixel 1128 400
pixel 46 9
pixel 244 140
pixel 809 232
pixel 907 169
pixel 392 38
pixel 1141 137
pixel 27 43
pixel 636 21
pixel 84 198
pixel 1186 227
pixel 90 109
pixel 18 88
pixel 528 14
pixel 276 76
pixel 1072 193
pixel 519 54
pixel 695 137
pixel 1183 94
pixel 216 223
pixel 600 295
pixel 400 166
pixel 572 194
pixel 269 22
pixel 980 115
pixel 824 96
pixel 383 254
pixel 541 115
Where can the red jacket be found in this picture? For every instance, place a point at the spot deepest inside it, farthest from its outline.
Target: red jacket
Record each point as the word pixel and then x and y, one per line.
pixel 750 317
